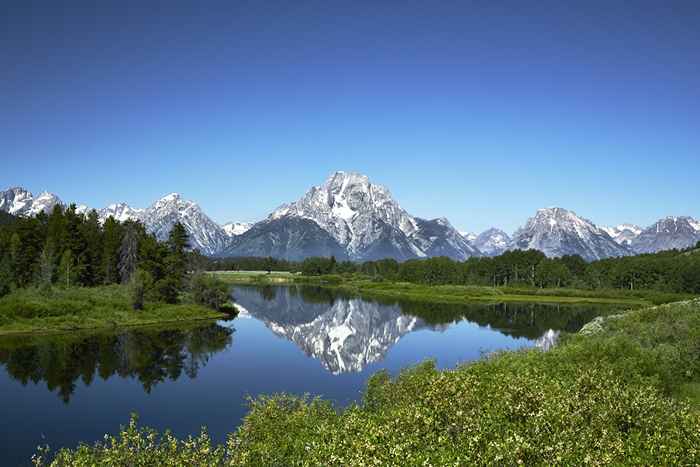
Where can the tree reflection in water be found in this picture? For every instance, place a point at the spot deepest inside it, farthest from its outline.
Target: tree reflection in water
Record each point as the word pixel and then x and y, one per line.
pixel 150 355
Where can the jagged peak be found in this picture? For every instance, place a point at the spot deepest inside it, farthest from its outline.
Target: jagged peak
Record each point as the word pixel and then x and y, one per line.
pixel 19 189
pixel 171 197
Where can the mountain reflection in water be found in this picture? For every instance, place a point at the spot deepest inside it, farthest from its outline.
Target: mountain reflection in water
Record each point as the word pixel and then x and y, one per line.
pixel 347 333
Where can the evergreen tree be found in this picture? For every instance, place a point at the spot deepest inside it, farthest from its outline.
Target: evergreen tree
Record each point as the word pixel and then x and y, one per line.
pixel 176 262
pixel 7 279
pixel 92 234
pixel 139 283
pixel 111 243
pixel 47 265
pixel 67 270
pixel 128 251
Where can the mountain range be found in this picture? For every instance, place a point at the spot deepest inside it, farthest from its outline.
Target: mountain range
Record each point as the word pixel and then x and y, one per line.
pixel 352 218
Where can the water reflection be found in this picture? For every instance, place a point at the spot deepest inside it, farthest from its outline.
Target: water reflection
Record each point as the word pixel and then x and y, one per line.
pixel 149 355
pixel 347 333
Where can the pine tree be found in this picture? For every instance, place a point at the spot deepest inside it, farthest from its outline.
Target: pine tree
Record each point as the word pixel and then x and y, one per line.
pixel 128 251
pixel 177 259
pixel 111 243
pixel 7 279
pixel 47 265
pixel 92 234
pixel 139 283
pixel 67 270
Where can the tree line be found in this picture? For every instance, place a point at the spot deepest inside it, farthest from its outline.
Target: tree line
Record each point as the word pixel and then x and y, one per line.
pixel 668 271
pixel 67 248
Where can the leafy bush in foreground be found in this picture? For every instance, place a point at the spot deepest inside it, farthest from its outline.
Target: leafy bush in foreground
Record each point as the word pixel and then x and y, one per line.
pixel 599 399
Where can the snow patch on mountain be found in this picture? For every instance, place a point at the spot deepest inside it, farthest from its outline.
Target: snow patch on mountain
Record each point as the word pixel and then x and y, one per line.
pixel 557 232
pixel 666 234
pixel 492 242
pixel 20 202
pixel 623 234
pixel 234 229
pixel 205 234
pixel 364 218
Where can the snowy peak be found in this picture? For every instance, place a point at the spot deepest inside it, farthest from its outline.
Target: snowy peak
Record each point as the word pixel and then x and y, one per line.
pixel 205 234
pixel 667 234
pixel 492 242
pixel 21 202
pixel 364 218
pixel 623 234
pixel 233 229
pixel 121 212
pixel 557 232
pixel 469 236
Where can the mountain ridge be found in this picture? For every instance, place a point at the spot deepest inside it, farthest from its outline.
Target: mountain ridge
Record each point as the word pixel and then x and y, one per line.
pixel 350 217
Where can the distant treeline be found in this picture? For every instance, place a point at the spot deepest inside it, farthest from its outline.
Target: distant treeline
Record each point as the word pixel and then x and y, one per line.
pixel 251 263
pixel 67 248
pixel 669 271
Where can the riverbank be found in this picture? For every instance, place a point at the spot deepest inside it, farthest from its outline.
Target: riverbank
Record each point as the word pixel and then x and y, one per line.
pixel 453 294
pixel 60 310
pixel 624 392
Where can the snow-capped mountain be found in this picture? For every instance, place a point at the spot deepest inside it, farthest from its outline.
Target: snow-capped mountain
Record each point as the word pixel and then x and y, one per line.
pixel 469 236
pixel 205 234
pixel 234 229
pixel 558 232
pixel 623 234
pixel 121 212
pixel 368 223
pixel 667 234
pixel 492 242
pixel 20 202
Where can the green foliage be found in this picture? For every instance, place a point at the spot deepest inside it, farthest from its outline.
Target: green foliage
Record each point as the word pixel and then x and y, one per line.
pixel 33 309
pixel 665 272
pixel 210 291
pixel 6 274
pixel 601 399
pixel 140 282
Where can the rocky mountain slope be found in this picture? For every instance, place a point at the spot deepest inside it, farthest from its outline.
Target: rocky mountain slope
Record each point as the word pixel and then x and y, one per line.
pixel 365 220
pixel 352 218
pixel 666 234
pixel 20 202
pixel 234 229
pixel 623 234
pixel 558 232
pixel 492 242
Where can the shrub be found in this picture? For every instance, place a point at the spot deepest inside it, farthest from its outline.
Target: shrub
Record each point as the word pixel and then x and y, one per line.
pixel 139 283
pixel 210 291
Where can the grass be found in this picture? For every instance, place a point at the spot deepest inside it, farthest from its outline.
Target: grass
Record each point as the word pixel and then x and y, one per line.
pixel 623 393
pixel 453 293
pixel 59 310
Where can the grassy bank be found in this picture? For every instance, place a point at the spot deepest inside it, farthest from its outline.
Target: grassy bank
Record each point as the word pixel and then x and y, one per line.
pixel 624 392
pixel 362 285
pixel 58 310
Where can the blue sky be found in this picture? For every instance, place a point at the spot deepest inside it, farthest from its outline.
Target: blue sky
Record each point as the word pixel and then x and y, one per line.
pixel 478 111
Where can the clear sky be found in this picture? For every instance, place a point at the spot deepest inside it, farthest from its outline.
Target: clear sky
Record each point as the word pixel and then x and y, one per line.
pixel 479 111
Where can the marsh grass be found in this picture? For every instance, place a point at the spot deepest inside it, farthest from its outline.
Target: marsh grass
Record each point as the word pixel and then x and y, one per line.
pixel 60 310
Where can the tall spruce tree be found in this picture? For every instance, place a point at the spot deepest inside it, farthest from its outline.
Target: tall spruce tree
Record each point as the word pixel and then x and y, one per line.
pixel 111 244
pixel 128 251
pixel 47 264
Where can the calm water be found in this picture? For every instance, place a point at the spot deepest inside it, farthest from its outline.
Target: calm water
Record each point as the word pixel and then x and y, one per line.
pixel 62 389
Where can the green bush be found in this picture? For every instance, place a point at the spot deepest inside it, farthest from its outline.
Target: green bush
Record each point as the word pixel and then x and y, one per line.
pixel 210 291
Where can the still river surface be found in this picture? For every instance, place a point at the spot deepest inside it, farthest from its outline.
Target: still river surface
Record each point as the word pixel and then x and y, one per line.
pixel 59 390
